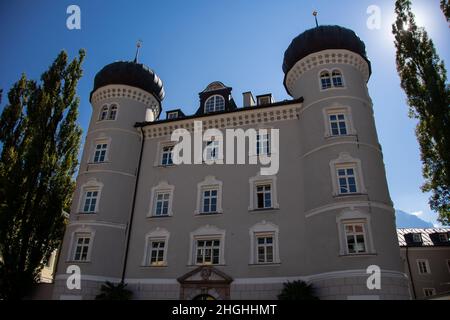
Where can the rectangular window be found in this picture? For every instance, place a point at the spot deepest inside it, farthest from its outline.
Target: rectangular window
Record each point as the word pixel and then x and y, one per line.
pixel 156 256
pixel 443 237
pixel 81 251
pixel 265 249
pixel 428 292
pixel 423 266
pixel 90 201
pixel 264 196
pixel 338 124
pixel 212 150
pixel 172 115
pixel 162 204
pixel 167 153
pixel 346 180
pixel 112 112
pixel 208 251
pixel 417 237
pixel 355 237
pixel 209 201
pixel 100 153
pixel 263 144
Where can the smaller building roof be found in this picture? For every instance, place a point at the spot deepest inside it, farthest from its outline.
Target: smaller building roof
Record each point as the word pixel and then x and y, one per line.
pixel 426 236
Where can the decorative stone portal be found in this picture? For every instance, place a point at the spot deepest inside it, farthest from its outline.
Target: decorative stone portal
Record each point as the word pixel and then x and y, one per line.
pixel 205 282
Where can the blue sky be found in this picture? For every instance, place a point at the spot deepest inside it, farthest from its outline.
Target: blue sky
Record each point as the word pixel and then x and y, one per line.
pixel 241 43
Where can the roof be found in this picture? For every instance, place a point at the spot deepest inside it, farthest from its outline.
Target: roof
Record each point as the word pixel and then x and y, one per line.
pixel 132 74
pixel 426 236
pixel 319 39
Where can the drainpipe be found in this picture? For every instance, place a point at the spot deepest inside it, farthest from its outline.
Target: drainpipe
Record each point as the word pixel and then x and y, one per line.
pixel 130 223
pixel 410 273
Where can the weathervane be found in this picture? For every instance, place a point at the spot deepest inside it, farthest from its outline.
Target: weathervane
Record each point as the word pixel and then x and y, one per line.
pixel 315 17
pixel 138 46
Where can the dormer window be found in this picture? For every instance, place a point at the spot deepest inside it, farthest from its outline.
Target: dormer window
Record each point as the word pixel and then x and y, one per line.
pixel 172 115
pixel 215 103
pixel 417 237
pixel 443 237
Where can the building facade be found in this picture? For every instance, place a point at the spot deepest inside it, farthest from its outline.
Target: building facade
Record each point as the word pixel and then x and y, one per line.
pixel 218 231
pixel 426 257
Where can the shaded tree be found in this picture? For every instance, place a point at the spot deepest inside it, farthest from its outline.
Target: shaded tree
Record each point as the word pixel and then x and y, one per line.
pixel 445 6
pixel 110 291
pixel 40 140
pixel 297 290
pixel 423 78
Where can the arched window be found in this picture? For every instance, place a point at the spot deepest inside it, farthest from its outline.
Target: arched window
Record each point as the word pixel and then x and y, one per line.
pixel 103 113
pixel 337 78
pixel 325 80
pixel 112 112
pixel 214 104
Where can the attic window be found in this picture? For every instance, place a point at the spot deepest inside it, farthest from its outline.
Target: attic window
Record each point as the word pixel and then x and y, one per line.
pixel 172 115
pixel 215 103
pixel 417 237
pixel 264 100
pixel 443 237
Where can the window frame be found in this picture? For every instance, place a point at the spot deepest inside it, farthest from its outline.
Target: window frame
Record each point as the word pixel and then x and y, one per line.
pixel 108 108
pixel 169 157
pixel 433 292
pixel 335 110
pixel 259 180
pixel 209 183
pixel 85 231
pixel 211 248
pixel 207 232
pixel 355 234
pixel 90 185
pixel 210 197
pixel 352 216
pixel 426 264
pixel 330 79
pixel 264 229
pixel 347 178
pixel 213 97
pixel 344 161
pixel 156 235
pixel 104 147
pixel 163 187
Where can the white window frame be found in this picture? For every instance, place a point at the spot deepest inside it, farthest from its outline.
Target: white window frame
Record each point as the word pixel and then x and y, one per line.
pixel 93 146
pixel 209 183
pixel 162 187
pixel 340 74
pixel 169 155
pixel 354 234
pixel 159 154
pixel 263 148
pixel 215 103
pixel 262 180
pixel 158 234
pixel 210 147
pixel 330 73
pixel 346 161
pixel 108 110
pixel 334 110
pixel 207 232
pixel 90 185
pixel 427 266
pixel 264 228
pixel 73 244
pixel 415 236
pixel 103 147
pixel 433 292
pixel 351 216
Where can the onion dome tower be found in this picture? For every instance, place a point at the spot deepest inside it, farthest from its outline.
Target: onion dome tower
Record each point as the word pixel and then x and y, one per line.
pixel 345 187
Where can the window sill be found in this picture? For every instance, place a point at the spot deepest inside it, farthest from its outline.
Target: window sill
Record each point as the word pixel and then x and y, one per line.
pixel 358 255
pixel 78 262
pixel 263 210
pixel 338 196
pixel 274 264
pixel 205 265
pixel 333 88
pixel 159 217
pixel 208 214
pixel 86 214
pixel 333 137
pixel 155 267
pixel 98 163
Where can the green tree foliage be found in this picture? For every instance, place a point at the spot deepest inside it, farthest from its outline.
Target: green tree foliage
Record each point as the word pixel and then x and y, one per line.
pixel 297 290
pixel 423 78
pixel 40 140
pixel 445 6
pixel 110 291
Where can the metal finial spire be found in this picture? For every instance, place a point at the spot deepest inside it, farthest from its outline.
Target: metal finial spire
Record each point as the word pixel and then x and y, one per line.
pixel 138 46
pixel 315 17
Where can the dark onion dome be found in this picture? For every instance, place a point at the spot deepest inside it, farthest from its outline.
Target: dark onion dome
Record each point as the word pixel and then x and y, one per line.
pixel 131 74
pixel 323 38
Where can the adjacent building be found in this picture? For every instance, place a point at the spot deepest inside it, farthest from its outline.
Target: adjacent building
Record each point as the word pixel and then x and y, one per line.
pixel 426 257
pixel 227 231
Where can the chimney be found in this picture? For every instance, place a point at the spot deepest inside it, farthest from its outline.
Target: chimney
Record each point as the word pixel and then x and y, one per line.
pixel 249 101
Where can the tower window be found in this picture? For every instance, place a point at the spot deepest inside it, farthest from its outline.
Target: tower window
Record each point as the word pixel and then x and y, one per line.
pixel 338 124
pixel 81 250
pixel 215 103
pixel 100 153
pixel 325 80
pixel 347 180
pixel 337 78
pixel 112 112
pixel 90 201
pixel 104 113
pixel 355 237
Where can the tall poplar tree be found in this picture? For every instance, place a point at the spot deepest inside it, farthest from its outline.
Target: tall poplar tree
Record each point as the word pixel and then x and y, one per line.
pixel 445 6
pixel 40 140
pixel 423 78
